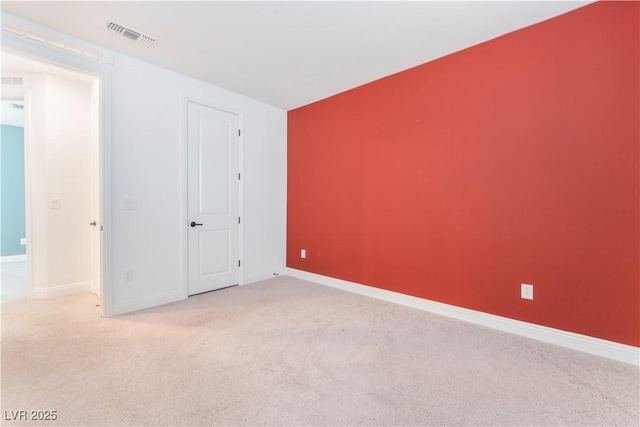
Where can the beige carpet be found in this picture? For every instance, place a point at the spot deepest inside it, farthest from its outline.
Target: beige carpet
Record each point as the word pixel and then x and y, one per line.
pixel 289 352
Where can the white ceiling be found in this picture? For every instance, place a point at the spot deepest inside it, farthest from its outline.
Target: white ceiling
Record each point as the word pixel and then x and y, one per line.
pixel 289 54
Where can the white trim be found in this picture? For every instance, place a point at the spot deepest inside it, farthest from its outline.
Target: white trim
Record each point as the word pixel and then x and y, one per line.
pixel 184 191
pixel 13 258
pixel 58 291
pixel 184 188
pixel 609 349
pixel 28 192
pixel 241 275
pixel 264 275
pixel 106 291
pixel 147 302
pixel 46 53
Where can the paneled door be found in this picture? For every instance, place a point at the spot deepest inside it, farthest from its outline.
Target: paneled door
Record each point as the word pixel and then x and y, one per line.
pixel 213 199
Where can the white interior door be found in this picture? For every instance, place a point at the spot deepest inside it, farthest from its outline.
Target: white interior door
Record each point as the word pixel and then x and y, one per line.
pixel 96 220
pixel 213 199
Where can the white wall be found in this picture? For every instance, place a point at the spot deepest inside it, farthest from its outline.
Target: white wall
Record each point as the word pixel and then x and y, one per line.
pixel 68 162
pixel 148 163
pixel 58 149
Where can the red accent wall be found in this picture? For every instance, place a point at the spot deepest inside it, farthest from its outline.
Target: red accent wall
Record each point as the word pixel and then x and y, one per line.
pixel 514 161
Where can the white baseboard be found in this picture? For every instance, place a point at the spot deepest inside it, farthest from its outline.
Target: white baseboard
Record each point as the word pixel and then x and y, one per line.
pixel 58 291
pixel 142 303
pixel 263 275
pixel 13 258
pixel 584 343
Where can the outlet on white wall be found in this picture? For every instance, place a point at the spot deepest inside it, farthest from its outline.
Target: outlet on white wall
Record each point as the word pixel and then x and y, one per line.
pixel 128 275
pixel 303 253
pixel 526 291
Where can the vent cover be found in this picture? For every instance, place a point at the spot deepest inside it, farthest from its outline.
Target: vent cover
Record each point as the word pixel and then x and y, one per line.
pixel 11 81
pixel 130 33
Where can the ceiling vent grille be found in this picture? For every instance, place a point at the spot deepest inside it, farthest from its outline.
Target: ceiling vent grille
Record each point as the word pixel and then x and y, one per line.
pixel 12 81
pixel 129 33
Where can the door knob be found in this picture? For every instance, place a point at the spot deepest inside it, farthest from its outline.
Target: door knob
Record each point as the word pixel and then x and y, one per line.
pixel 193 224
pixel 93 223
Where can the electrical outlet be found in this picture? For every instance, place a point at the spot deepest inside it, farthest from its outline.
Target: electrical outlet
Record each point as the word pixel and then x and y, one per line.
pixel 303 253
pixel 23 241
pixel 526 291
pixel 128 275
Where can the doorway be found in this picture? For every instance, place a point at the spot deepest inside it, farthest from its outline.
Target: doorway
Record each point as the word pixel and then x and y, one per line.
pixel 12 226
pixel 62 176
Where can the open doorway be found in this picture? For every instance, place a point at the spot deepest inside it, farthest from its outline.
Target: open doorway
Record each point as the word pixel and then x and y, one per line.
pixel 13 254
pixel 62 185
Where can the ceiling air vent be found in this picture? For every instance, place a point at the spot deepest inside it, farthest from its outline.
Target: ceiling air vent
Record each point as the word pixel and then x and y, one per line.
pixel 11 81
pixel 129 33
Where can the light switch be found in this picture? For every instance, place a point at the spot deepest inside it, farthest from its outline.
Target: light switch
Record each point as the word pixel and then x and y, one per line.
pixel 56 204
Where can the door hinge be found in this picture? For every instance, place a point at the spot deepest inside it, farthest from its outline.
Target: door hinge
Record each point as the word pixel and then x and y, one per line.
pixel 238 263
pixel 238 220
pixel 238 176
pixel 238 132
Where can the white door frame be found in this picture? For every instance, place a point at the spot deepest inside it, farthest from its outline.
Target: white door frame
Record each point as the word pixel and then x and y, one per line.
pixel 185 100
pixel 19 45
